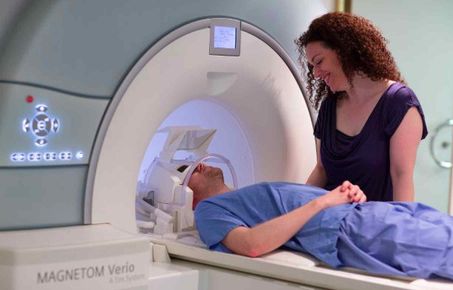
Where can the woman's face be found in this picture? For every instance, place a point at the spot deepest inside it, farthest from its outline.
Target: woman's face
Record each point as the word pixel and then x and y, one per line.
pixel 326 66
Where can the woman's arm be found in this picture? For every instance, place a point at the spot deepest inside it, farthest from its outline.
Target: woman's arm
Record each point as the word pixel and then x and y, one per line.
pixel 270 235
pixel 318 175
pixel 403 152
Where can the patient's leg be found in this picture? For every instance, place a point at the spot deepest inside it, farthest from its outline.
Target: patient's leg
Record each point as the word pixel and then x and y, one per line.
pixel 398 239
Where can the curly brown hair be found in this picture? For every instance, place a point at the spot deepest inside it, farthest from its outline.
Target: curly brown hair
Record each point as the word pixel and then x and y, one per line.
pixel 360 48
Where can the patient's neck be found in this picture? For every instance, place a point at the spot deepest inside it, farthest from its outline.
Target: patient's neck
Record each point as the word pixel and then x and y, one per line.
pixel 223 189
pixel 220 189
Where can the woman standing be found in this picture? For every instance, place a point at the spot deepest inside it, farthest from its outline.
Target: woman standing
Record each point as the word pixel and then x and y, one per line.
pixel 370 123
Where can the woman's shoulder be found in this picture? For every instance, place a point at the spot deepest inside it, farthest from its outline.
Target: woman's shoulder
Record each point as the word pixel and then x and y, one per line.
pixel 400 92
pixel 399 98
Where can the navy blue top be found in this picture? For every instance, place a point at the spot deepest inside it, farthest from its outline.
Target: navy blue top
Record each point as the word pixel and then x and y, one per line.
pixel 364 159
pixel 215 217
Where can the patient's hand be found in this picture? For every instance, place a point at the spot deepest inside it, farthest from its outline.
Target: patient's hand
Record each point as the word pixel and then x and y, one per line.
pixel 345 193
pixel 354 192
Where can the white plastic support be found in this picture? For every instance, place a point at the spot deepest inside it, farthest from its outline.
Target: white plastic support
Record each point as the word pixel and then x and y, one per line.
pixel 190 138
pixel 160 254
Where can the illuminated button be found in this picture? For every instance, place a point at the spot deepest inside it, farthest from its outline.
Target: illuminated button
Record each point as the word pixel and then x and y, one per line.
pixel 17 157
pixel 41 108
pixel 41 125
pixel 65 155
pixel 26 125
pixel 55 125
pixel 79 155
pixel 41 142
pixel 50 156
pixel 34 156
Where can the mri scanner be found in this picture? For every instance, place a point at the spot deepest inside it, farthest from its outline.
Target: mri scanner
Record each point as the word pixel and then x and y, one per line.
pixel 86 85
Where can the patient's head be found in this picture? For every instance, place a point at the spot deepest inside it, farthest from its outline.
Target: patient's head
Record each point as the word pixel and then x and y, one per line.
pixel 206 181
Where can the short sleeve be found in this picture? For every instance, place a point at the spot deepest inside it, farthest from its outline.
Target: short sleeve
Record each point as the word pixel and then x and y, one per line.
pixel 214 223
pixel 396 108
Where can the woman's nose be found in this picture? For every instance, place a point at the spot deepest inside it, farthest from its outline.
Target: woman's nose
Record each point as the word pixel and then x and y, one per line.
pixel 316 72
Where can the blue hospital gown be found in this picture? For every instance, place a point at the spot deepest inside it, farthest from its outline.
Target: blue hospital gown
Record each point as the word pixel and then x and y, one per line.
pixel 254 204
pixel 387 238
pixel 405 239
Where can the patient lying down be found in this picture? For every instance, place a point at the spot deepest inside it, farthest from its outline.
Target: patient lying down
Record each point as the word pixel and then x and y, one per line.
pixel 338 227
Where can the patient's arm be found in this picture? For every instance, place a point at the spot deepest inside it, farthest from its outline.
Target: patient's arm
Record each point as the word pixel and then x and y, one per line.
pixel 270 235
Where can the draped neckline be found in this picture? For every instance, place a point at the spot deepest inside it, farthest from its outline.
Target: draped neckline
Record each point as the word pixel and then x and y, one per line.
pixel 369 119
pixel 342 144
